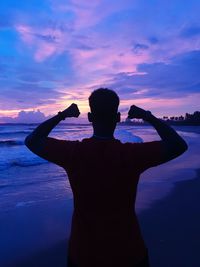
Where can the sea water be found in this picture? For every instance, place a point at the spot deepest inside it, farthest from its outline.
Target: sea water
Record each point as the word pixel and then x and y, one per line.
pixel 36 201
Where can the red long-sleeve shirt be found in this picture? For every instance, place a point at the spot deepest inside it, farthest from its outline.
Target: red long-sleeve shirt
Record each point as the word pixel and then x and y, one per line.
pixel 103 175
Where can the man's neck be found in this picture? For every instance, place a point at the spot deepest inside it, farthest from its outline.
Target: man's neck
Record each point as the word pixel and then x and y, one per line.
pixel 102 132
pixel 103 137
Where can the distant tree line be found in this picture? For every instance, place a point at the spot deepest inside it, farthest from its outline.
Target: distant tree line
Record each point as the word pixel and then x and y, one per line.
pixel 188 119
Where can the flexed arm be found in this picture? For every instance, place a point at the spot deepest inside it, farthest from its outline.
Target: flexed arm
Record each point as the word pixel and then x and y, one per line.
pixel 36 139
pixel 174 145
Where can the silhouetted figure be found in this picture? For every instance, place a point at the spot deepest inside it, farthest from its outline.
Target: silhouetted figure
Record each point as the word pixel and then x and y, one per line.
pixel 103 175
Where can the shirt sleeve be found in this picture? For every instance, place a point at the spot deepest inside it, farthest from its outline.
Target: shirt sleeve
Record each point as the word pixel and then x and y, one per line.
pixel 60 152
pixel 146 155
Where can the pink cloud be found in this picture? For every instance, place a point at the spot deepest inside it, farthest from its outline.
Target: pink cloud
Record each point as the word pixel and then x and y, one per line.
pixel 45 50
pixel 88 14
pixel 105 62
pixel 26 33
pixel 45 40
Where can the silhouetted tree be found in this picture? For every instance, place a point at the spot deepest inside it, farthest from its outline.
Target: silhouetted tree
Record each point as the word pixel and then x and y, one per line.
pixel 181 118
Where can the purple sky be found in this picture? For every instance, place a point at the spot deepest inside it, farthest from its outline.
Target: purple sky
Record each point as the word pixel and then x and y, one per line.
pixel 55 52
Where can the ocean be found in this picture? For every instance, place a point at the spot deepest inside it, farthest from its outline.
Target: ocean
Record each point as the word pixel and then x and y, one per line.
pixel 36 201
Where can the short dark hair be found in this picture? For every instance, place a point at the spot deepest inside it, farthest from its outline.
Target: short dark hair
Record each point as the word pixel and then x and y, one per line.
pixel 104 103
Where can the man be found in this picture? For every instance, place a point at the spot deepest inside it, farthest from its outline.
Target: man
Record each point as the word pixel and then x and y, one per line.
pixel 103 175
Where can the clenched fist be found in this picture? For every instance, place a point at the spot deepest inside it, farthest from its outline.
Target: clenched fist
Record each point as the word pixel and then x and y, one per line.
pixel 71 111
pixel 138 113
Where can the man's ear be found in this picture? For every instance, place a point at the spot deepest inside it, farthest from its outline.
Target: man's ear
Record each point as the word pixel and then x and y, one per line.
pixel 90 117
pixel 118 116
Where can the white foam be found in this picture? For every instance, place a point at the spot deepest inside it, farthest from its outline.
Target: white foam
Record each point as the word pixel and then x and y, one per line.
pixel 126 136
pixel 23 203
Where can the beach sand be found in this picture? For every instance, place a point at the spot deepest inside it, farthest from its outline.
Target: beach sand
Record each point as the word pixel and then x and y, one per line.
pixel 171 229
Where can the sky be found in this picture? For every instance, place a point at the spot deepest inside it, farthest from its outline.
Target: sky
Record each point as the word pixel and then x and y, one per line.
pixel 56 52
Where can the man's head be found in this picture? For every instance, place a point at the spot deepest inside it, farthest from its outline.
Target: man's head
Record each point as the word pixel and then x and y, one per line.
pixel 104 106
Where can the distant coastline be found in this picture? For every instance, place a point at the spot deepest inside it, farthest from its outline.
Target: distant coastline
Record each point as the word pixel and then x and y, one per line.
pixel 173 123
pixel 37 123
pixel 187 120
pixel 125 123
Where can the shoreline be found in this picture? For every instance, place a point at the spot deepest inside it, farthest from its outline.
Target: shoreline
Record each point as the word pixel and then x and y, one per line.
pixel 187 128
pixel 170 229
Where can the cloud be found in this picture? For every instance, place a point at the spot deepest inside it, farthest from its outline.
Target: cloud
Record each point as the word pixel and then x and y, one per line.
pixel 189 32
pixel 37 117
pixel 30 116
pixel 178 77
pixel 28 95
pixel 25 117
pixel 153 40
pixel 46 41
pixel 89 14
pixel 139 48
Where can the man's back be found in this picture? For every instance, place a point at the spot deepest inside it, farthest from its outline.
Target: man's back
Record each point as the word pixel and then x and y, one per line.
pixel 103 175
pixel 104 218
